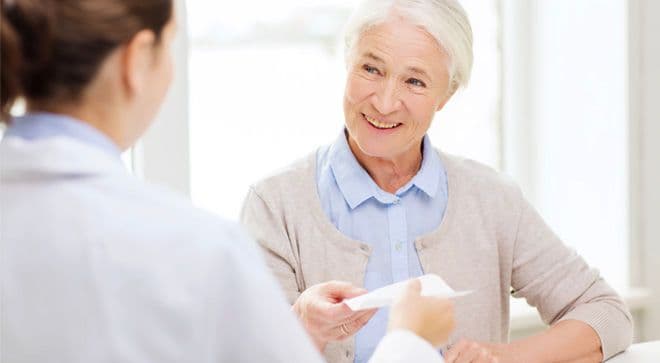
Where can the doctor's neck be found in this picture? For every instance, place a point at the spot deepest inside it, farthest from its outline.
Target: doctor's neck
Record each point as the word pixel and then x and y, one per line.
pixel 97 105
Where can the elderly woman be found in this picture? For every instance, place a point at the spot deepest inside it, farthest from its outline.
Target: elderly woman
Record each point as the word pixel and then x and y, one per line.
pixel 381 205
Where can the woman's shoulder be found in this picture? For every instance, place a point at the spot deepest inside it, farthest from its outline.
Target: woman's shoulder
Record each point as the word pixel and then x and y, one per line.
pixel 479 191
pixel 478 178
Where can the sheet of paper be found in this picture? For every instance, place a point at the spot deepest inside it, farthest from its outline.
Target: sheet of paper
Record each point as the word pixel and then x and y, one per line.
pixel 432 285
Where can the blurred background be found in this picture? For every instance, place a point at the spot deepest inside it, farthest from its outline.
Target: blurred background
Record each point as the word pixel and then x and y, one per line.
pixel 564 97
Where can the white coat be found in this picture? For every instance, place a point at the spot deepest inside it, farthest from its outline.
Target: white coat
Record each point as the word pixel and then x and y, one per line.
pixel 97 266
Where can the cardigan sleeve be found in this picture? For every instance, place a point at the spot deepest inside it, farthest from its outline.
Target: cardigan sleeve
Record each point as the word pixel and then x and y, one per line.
pixel 268 229
pixel 561 285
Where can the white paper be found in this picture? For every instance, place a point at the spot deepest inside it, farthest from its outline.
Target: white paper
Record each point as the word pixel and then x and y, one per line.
pixel 432 285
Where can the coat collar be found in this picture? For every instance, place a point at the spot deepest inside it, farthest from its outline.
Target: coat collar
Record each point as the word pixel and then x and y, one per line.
pixel 54 157
pixel 42 125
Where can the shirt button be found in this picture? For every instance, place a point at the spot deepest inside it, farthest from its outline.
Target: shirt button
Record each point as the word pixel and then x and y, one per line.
pixel 348 354
pixel 364 248
pixel 398 246
pixel 396 201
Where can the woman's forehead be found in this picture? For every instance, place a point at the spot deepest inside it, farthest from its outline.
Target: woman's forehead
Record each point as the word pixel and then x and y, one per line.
pixel 396 41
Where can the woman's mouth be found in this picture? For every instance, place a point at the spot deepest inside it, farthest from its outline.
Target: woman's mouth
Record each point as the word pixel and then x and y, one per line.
pixel 380 124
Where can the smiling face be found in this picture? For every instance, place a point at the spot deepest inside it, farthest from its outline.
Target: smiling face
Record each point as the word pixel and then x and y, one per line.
pixel 397 79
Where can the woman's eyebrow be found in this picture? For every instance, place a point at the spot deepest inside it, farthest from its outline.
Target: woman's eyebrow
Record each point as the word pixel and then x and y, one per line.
pixel 419 71
pixel 412 69
pixel 372 56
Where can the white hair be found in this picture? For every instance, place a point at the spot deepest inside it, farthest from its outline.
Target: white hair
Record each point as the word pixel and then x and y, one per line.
pixel 444 20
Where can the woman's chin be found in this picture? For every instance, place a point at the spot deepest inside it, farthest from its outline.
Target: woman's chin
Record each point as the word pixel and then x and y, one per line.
pixel 376 149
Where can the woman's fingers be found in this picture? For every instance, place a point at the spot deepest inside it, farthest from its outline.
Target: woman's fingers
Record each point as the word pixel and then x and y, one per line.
pixel 325 316
pixel 360 320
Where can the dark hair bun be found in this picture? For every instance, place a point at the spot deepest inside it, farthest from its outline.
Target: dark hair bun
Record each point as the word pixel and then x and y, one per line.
pixel 51 49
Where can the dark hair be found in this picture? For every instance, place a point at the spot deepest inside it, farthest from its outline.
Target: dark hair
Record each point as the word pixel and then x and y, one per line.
pixel 51 49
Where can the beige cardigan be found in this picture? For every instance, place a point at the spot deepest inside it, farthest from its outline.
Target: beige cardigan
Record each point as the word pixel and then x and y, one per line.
pixel 491 240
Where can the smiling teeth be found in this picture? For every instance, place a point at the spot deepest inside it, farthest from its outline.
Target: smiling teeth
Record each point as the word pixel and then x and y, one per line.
pixel 380 125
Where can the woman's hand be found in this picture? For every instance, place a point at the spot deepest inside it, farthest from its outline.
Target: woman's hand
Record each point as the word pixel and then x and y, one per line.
pixel 431 318
pixel 325 317
pixel 467 351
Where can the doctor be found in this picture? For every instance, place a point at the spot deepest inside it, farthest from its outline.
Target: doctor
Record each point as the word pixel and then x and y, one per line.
pixel 98 267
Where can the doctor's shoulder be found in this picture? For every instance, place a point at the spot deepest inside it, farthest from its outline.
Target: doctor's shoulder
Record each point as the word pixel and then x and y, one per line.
pixel 178 220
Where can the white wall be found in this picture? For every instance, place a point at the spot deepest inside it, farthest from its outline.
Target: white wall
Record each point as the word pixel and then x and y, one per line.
pixel 644 22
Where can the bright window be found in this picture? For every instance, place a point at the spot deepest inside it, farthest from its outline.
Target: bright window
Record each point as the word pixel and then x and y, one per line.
pixel 572 124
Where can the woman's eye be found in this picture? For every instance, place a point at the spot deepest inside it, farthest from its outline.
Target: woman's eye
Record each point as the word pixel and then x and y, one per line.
pixel 370 69
pixel 416 82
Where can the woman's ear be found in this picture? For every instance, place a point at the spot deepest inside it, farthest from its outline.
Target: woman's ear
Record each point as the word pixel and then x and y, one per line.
pixel 137 61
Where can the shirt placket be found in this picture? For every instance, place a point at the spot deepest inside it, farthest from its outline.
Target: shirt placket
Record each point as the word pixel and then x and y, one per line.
pixel 398 233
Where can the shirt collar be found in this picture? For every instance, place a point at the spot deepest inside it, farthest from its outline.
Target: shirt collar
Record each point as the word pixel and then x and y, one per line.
pixel 356 185
pixel 354 182
pixel 33 126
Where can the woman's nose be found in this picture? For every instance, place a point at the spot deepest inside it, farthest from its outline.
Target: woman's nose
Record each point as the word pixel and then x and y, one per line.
pixel 386 98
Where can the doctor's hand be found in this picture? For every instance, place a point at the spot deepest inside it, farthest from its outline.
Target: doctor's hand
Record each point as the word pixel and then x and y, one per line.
pixel 431 318
pixel 325 317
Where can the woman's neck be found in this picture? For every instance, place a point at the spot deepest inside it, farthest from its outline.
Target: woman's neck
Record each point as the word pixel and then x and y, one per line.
pixel 390 174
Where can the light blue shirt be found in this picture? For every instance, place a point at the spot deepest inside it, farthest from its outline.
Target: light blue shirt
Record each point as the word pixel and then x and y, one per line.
pixel 389 223
pixel 34 126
